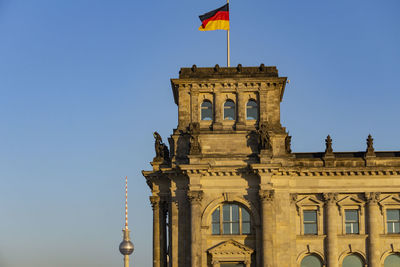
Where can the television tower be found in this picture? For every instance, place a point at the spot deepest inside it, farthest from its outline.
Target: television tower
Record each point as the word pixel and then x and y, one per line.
pixel 126 246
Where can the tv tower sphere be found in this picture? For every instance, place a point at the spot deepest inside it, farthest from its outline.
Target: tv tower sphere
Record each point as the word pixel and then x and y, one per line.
pixel 126 247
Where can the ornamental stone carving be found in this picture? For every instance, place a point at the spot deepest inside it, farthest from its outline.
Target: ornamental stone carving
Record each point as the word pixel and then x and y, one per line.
pixel 195 196
pixel 266 195
pixel 264 138
pixel 194 131
pixel 155 201
pixel 372 197
pixel 331 198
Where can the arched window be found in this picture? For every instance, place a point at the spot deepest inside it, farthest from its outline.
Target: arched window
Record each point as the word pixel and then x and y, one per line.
pixel 206 111
pixel 251 110
pixel 352 261
pixel 392 261
pixel 229 110
pixel 233 220
pixel 311 261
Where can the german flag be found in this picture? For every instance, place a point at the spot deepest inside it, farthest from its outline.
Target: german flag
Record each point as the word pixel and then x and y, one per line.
pixel 217 19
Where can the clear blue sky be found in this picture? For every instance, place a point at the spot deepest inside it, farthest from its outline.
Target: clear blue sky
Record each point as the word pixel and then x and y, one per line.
pixel 83 84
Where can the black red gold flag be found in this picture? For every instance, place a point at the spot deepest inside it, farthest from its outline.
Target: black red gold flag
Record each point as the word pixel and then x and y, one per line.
pixel 217 19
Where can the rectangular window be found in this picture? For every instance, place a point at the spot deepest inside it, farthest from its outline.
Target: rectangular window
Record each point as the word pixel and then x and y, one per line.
pixel 245 222
pixel 393 221
pixel 351 221
pixel 230 219
pixel 215 222
pixel 310 222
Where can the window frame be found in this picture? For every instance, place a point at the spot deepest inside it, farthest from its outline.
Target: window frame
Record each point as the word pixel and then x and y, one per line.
pixel 308 222
pixel 393 222
pixel 351 222
pixel 352 202
pixel 201 110
pixel 234 110
pixel 256 107
pixel 239 221
pixel 309 202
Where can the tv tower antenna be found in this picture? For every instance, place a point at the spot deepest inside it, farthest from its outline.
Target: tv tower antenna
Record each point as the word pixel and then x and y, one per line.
pixel 126 246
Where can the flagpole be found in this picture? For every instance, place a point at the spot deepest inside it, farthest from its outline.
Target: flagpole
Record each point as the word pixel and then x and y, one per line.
pixel 228 50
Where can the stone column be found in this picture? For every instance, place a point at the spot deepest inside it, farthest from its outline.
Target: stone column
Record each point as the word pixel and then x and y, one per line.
pixel 373 229
pixel 218 111
pixel 155 204
pixel 195 106
pixel 174 233
pixel 267 197
pixel 163 233
pixel 241 111
pixel 331 229
pixel 263 106
pixel 247 263
pixel 195 198
pixel 216 264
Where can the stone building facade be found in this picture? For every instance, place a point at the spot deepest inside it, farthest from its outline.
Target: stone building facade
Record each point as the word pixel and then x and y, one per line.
pixel 230 192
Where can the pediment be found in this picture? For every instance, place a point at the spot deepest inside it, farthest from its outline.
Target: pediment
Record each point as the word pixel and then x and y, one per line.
pixel 393 199
pixel 230 247
pixel 309 201
pixel 351 201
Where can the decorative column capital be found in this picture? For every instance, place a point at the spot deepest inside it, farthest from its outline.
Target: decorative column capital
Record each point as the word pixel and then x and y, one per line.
pixel 372 197
pixel 266 195
pixel 331 198
pixel 195 196
pixel 293 198
pixel 155 201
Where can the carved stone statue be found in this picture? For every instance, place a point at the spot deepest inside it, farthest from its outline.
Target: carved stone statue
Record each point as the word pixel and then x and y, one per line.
pixel 288 142
pixel 264 139
pixel 162 152
pixel 194 131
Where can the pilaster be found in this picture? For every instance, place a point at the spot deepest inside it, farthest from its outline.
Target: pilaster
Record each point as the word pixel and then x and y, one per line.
pixel 331 222
pixel 195 197
pixel 267 198
pixel 373 229
pixel 218 110
pixel 241 111
pixel 155 204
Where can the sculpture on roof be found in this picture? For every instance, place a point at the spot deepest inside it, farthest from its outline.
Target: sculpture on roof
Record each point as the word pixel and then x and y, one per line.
pixel 194 131
pixel 162 152
pixel 264 138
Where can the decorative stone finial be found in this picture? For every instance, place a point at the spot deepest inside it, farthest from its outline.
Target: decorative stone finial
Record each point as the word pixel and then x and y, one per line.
pixel 194 68
pixel 216 68
pixel 328 144
pixel 239 67
pixel 262 67
pixel 370 146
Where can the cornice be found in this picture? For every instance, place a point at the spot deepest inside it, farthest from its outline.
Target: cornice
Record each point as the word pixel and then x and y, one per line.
pixel 251 84
pixel 315 172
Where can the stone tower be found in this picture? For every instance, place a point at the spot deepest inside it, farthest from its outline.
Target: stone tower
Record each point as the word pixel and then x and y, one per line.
pixel 230 192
